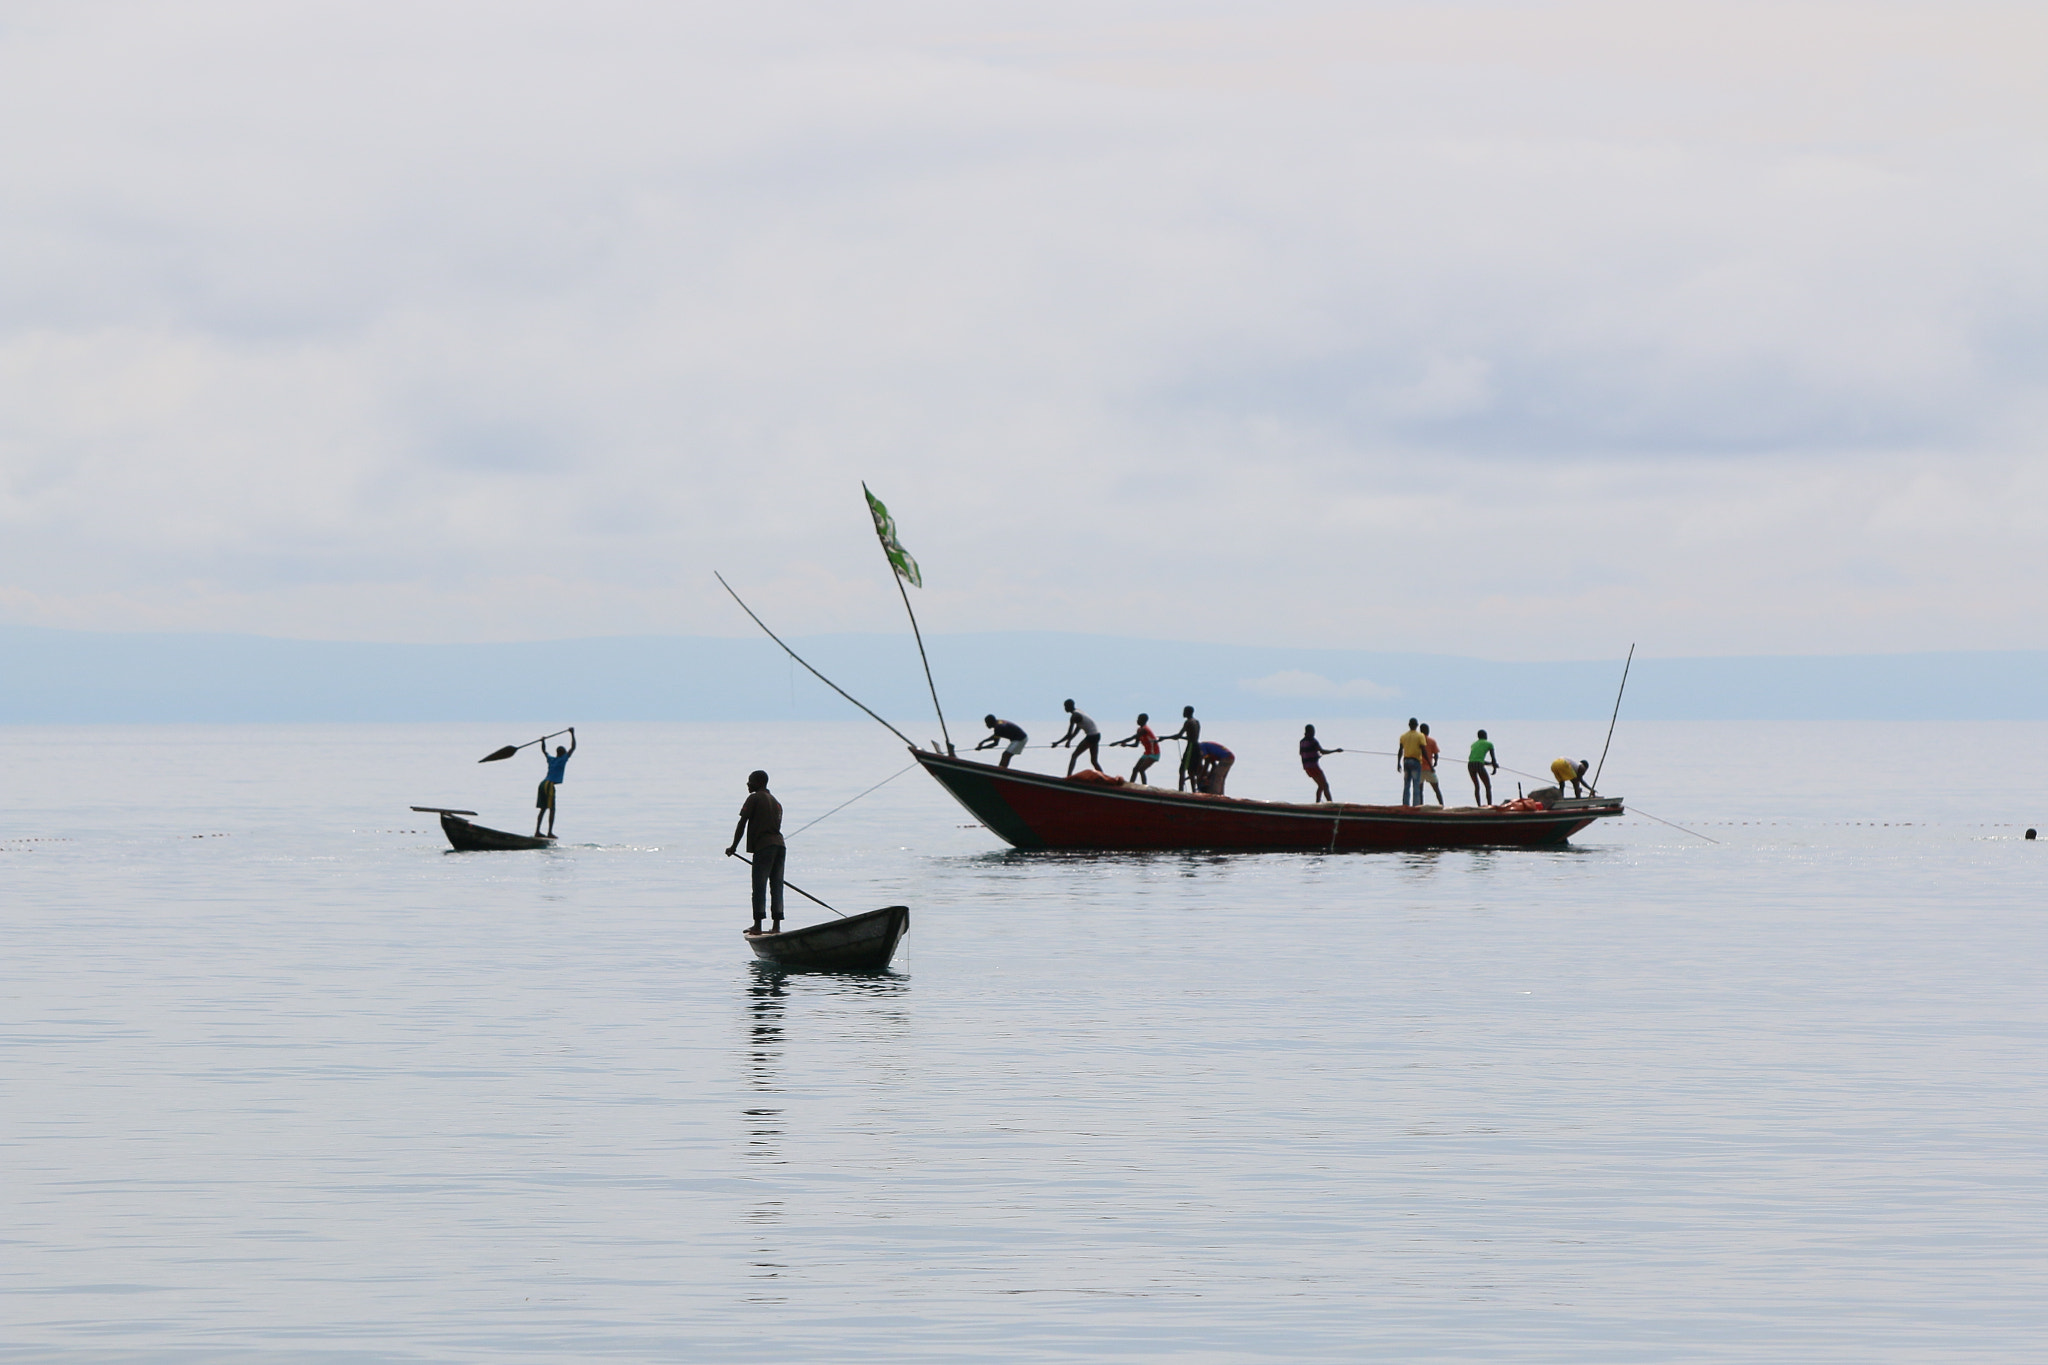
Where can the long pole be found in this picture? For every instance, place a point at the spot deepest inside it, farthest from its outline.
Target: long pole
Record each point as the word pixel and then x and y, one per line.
pixel 915 633
pixel 814 672
pixel 792 886
pixel 918 636
pixel 1613 718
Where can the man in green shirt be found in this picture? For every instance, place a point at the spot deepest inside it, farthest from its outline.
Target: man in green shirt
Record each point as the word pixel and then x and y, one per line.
pixel 1475 767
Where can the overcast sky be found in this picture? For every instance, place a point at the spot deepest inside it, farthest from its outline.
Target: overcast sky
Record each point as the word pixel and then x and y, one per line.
pixel 1513 329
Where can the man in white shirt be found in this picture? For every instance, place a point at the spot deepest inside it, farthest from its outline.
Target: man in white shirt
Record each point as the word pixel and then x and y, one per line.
pixel 1078 724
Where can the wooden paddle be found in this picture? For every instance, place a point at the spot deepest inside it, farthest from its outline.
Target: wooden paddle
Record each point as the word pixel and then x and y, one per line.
pixel 511 749
pixel 793 886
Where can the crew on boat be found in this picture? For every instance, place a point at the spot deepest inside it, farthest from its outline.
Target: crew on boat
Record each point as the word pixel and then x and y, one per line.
pixel 1408 756
pixel 1004 730
pixel 1214 763
pixel 1079 726
pixel 1476 764
pixel 1148 748
pixel 1567 773
pixel 1430 752
pixel 1190 735
pixel 1312 752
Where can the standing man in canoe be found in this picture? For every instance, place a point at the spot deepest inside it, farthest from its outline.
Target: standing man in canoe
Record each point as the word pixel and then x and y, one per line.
pixel 1408 755
pixel 1004 730
pixel 1475 768
pixel 1148 749
pixel 558 768
pixel 1431 750
pixel 1190 733
pixel 1090 734
pixel 761 823
pixel 1312 752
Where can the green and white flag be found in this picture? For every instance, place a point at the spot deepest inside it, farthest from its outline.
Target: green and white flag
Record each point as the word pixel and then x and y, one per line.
pixel 885 528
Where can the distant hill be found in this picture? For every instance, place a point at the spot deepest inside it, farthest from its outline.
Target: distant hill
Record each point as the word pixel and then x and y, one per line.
pixel 76 676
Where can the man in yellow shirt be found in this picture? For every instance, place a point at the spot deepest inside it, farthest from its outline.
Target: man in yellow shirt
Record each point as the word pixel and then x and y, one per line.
pixel 1567 775
pixel 1414 747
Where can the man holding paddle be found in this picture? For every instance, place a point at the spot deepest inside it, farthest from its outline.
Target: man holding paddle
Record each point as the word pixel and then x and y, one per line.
pixel 558 768
pixel 761 823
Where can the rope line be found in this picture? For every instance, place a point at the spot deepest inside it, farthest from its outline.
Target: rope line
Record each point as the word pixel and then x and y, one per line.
pixel 851 799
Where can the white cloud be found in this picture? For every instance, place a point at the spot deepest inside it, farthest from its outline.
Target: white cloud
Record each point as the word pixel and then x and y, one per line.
pixel 1488 328
pixel 1295 682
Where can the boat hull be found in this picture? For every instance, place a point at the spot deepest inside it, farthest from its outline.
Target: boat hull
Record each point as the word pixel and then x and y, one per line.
pixel 858 943
pixel 1038 811
pixel 472 838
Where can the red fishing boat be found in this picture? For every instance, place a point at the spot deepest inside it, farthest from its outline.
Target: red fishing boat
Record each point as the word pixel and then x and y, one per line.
pixel 1092 811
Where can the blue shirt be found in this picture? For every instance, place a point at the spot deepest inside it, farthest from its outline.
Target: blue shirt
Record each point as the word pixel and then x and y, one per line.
pixel 558 764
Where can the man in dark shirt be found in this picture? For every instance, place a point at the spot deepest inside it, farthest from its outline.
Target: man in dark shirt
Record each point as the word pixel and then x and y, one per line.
pixel 761 823
pixel 558 769
pixel 1312 752
pixel 1190 731
pixel 1003 730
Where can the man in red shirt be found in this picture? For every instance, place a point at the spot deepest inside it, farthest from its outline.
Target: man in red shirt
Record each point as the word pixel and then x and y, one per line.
pixel 1148 748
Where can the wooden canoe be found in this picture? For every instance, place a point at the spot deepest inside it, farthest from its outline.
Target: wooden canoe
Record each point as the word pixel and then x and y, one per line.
pixel 1089 811
pixel 467 837
pixel 858 943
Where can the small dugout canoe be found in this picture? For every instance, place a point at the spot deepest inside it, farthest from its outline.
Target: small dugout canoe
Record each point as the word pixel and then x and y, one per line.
pixel 859 943
pixel 467 837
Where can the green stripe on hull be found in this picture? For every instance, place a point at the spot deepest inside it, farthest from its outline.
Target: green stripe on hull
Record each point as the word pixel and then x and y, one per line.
pixel 982 800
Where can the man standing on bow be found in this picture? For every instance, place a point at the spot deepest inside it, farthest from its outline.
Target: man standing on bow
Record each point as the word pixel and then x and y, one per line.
pixel 1090 735
pixel 761 823
pixel 558 768
pixel 1001 731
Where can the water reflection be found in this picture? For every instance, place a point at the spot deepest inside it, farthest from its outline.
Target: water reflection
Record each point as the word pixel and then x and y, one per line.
pixel 820 1001
pixel 762 1119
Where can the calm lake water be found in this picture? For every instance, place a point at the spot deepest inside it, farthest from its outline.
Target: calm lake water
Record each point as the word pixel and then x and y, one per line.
pixel 284 1080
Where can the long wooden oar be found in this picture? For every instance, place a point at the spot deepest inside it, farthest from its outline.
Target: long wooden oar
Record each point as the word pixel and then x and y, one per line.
pixel 794 887
pixel 511 749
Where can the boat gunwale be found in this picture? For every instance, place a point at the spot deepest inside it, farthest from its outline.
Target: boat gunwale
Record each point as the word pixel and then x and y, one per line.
pixel 1582 814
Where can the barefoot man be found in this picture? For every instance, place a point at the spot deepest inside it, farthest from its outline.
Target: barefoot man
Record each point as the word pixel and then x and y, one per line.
pixel 1191 732
pixel 1476 764
pixel 1090 735
pixel 1431 750
pixel 1148 749
pixel 1312 752
pixel 1003 730
pixel 558 768
pixel 1574 775
pixel 761 823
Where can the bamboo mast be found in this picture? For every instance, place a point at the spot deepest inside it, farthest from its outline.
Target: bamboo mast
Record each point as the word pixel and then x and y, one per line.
pixel 915 633
pixel 1613 718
